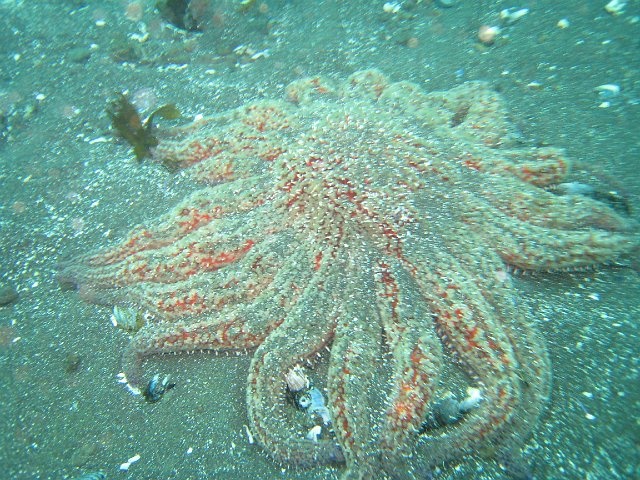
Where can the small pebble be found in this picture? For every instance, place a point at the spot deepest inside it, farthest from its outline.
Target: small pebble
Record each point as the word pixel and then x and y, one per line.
pixel 72 363
pixel 83 453
pixel 487 34
pixel 79 54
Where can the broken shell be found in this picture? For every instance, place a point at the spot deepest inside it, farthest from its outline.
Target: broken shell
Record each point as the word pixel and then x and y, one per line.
pixel 125 466
pixel 304 401
pixel 574 188
pixel 472 400
pixel 314 433
pixel 129 319
pixel 391 7
pixel 511 15
pixel 608 89
pixel 296 379
pixel 616 7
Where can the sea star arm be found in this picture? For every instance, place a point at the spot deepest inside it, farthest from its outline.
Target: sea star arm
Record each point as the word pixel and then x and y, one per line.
pixel 230 146
pixel 537 230
pixel 240 328
pixel 416 361
pixel 240 325
pixel 228 334
pixel 352 382
pixel 469 326
pixel 534 376
pixel 154 267
pixel 307 328
pixel 529 247
pixel 534 366
pixel 536 166
pixel 545 209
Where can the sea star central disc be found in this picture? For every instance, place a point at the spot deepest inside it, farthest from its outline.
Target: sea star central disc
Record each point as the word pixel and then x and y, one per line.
pixel 376 222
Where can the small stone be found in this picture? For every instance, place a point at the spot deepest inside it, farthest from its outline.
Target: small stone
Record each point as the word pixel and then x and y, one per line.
pixel 72 363
pixel 78 54
pixel 8 294
pixel 83 453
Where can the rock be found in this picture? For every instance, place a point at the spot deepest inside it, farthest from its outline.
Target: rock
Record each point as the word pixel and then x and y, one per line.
pixel 83 453
pixel 72 363
pixel 79 54
pixel 8 294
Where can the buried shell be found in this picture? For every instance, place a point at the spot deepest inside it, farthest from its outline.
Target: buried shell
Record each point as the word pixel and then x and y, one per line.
pixel 613 198
pixel 448 410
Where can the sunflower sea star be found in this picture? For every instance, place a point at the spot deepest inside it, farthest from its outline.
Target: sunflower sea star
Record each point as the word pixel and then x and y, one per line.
pixel 375 222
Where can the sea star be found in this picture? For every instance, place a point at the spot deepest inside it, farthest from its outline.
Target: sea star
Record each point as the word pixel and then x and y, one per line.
pixel 375 222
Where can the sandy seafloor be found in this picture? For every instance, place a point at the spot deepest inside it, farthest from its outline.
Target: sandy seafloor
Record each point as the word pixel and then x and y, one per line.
pixel 66 186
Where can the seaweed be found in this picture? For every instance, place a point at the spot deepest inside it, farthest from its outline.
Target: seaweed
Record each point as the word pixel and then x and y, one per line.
pixel 126 121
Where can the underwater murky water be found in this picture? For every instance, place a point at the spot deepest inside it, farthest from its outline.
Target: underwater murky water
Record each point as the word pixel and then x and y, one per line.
pixel 66 186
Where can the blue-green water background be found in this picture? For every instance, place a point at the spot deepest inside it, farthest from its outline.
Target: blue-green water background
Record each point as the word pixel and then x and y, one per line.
pixel 66 186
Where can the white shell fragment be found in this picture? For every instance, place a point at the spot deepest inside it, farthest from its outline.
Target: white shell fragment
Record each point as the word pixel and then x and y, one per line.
pixel 472 400
pixel 392 7
pixel 512 15
pixel 314 433
pixel 608 89
pixel 128 319
pixel 616 7
pixel 296 379
pixel 249 435
pixel 125 466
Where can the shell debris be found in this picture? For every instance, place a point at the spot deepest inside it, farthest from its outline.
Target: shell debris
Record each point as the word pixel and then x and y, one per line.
pixel 296 379
pixel 606 93
pixel 608 89
pixel 512 15
pixel 129 319
pixel 616 7
pixel 314 434
pixel 392 7
pixel 249 435
pixel 125 466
